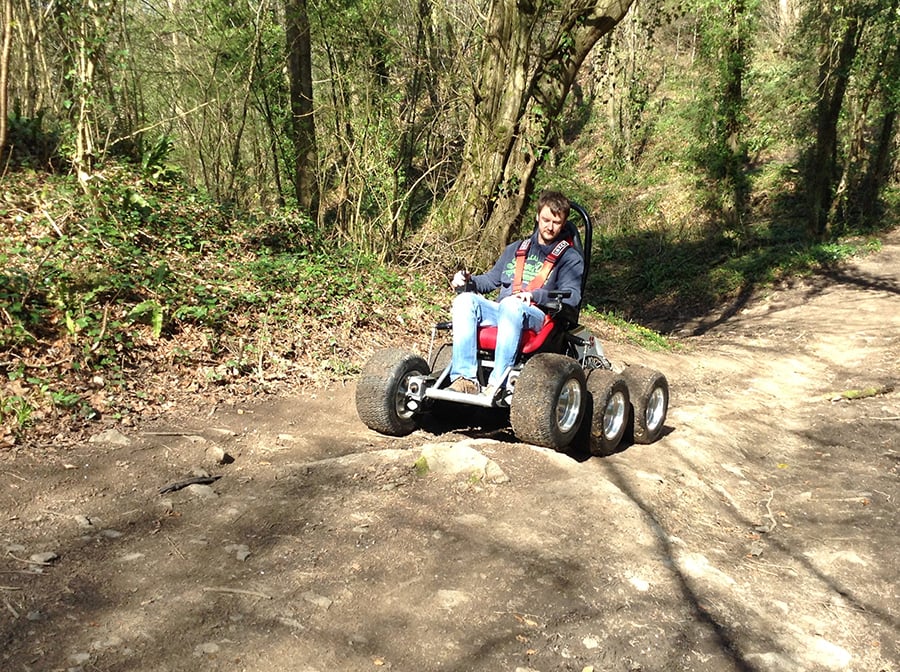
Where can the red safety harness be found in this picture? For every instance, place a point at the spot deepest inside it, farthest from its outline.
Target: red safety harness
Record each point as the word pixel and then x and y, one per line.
pixel 531 340
pixel 541 277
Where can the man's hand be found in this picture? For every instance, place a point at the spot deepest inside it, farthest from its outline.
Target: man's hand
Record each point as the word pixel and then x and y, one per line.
pixel 525 297
pixel 459 280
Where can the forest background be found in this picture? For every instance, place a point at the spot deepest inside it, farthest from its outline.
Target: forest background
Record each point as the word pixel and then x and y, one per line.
pixel 233 198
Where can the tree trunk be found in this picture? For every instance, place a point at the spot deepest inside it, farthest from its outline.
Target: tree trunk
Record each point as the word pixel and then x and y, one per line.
pixel 867 166
pixel 4 74
pixel 299 51
pixel 531 57
pixel 732 106
pixel 822 169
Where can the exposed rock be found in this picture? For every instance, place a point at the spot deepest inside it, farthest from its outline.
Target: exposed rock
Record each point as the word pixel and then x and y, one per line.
pixel 462 458
pixel 44 558
pixel 111 436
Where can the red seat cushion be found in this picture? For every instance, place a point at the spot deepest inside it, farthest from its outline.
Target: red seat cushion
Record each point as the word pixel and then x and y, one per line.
pixel 531 340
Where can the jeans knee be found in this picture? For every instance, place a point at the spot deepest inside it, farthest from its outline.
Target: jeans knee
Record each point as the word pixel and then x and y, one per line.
pixel 464 305
pixel 512 308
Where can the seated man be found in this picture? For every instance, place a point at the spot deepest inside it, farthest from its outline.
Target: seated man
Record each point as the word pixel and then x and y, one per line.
pixel 525 273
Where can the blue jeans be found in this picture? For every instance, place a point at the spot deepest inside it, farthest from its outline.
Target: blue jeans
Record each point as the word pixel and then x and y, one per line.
pixel 511 316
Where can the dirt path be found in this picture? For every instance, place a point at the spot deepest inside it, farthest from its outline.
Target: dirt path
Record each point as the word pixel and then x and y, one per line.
pixel 759 534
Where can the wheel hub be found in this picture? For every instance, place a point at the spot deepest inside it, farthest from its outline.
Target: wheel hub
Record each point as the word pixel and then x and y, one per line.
pixel 568 406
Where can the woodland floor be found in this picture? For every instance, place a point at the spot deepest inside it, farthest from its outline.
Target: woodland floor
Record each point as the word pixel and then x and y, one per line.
pixel 760 533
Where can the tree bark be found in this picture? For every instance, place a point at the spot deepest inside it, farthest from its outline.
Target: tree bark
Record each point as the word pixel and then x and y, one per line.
pixel 299 51
pixel 732 105
pixel 533 51
pixel 822 169
pixel 4 73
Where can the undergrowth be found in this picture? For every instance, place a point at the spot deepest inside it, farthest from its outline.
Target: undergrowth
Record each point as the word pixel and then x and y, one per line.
pixel 113 302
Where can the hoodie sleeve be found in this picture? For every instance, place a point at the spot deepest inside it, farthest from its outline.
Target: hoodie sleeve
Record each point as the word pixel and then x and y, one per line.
pixel 493 279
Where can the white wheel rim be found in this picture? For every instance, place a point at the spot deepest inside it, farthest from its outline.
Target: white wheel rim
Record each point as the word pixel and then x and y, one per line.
pixel 656 408
pixel 400 407
pixel 568 405
pixel 614 416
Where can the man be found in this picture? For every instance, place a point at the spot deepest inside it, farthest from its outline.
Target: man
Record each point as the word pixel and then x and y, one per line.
pixel 525 273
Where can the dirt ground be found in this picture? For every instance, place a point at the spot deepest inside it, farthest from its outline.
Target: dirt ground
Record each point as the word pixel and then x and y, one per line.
pixel 760 533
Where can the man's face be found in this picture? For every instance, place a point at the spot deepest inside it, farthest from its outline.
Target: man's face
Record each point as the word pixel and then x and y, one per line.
pixel 549 225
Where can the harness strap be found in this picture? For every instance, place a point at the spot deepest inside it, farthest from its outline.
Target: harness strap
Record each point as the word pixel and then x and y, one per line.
pixel 543 273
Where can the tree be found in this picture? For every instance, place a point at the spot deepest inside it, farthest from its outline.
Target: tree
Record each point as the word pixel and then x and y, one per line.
pixel 299 53
pixel 876 96
pixel 532 52
pixel 5 44
pixel 839 43
pixel 725 38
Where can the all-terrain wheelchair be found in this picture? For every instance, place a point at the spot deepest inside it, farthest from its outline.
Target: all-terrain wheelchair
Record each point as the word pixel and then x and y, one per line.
pixel 561 392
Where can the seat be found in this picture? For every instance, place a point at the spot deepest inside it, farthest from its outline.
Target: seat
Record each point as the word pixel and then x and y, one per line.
pixel 531 340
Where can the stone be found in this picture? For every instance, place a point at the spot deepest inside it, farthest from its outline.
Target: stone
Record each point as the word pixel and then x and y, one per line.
pixel 218 455
pixel 202 491
pixel 83 521
pixel 318 600
pixel 205 649
pixel 241 551
pixel 111 436
pixel 44 558
pixel 462 459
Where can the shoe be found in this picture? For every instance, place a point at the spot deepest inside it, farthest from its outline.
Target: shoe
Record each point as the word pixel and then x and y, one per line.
pixel 465 385
pixel 490 391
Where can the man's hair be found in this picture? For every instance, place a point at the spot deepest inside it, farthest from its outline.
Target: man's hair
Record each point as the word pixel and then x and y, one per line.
pixel 556 201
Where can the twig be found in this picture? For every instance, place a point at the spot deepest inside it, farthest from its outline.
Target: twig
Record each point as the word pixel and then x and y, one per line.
pixel 238 591
pixel 53 223
pixel 10 607
pixel 177 552
pixel 29 562
pixel 38 365
pixel 161 122
pixel 769 513
pixel 102 334
pixel 759 564
pixel 198 480
pixel 35 276
pixel 10 588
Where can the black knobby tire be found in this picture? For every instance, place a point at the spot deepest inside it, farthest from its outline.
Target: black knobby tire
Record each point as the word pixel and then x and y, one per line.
pixel 381 391
pixel 649 402
pixel 611 410
pixel 549 401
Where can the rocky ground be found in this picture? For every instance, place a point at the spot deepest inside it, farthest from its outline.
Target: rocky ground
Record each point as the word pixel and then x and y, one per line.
pixel 760 533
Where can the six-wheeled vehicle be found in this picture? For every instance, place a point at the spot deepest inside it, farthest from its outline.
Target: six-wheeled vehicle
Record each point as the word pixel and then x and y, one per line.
pixel 561 392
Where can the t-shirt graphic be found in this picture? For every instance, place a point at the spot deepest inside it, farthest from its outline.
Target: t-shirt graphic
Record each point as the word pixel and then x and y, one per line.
pixel 533 265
